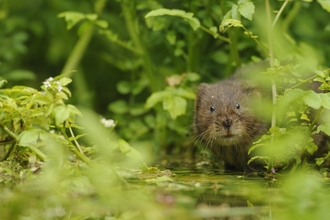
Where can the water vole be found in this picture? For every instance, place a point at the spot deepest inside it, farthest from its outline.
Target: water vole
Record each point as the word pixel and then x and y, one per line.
pixel 226 120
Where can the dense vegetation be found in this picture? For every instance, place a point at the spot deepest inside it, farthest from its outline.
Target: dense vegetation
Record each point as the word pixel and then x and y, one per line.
pixel 93 93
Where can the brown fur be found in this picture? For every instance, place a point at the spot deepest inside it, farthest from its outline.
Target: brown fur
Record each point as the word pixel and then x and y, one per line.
pixel 225 120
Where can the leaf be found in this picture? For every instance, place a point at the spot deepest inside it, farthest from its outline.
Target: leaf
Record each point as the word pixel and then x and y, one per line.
pixel 231 23
pixel 312 99
pixel 176 106
pixel 129 151
pixel 65 81
pixel 214 31
pixel 246 9
pixel 102 23
pixel 160 179
pixel 74 110
pixel 289 97
pixel 62 113
pixel 156 97
pixel 71 18
pixel 194 22
pixel 169 92
pixel 185 93
pixel 325 100
pixel 118 107
pixel 234 12
pixel 20 74
pixel 325 128
pixel 123 87
pixel 193 77
pixel 2 82
pixel 91 17
pixel 311 147
pixel 319 161
pixel 28 138
pixel 171 37
pixel 325 4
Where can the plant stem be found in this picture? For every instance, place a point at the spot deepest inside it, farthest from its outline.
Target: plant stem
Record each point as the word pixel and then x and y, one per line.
pixel 38 152
pixel 301 82
pixel 133 30
pixel 11 149
pixel 293 12
pixel 217 36
pixel 75 140
pixel 81 45
pixel 319 113
pixel 271 59
pixel 9 132
pixel 76 149
pixel 280 12
pixel 78 50
pixel 192 43
pixel 233 48
pixel 263 48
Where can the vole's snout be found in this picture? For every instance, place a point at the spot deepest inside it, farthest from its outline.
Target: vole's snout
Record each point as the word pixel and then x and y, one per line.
pixel 227 123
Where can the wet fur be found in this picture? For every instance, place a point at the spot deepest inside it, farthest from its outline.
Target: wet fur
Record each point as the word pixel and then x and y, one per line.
pixel 231 128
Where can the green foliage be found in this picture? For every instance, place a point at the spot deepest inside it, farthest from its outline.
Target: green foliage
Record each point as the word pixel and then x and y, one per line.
pixel 194 22
pixel 139 63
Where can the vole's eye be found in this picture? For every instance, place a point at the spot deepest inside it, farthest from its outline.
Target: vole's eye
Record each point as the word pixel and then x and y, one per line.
pixel 212 109
pixel 237 106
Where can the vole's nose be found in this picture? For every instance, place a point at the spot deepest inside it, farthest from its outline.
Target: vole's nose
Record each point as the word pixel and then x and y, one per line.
pixel 227 123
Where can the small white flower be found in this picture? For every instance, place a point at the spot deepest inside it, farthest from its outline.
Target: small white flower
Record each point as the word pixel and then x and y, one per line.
pixel 47 82
pixel 59 86
pixel 108 123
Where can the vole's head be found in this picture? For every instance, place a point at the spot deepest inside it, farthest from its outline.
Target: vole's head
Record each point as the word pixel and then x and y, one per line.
pixel 224 113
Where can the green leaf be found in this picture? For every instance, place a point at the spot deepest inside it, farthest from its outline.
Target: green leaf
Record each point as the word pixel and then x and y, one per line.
pixel 118 107
pixel 130 152
pixel 74 110
pixel 123 87
pixel 62 113
pixel 20 74
pixel 91 17
pixel 160 179
pixel 325 128
pixel 325 4
pixel 65 81
pixel 194 22
pixel 246 9
pixel 325 100
pixel 193 77
pixel 102 23
pixel 170 93
pixel 28 138
pixel 214 31
pixel 231 23
pixel 185 93
pixel 319 161
pixel 171 37
pixel 311 147
pixel 156 97
pixel 176 106
pixel 71 18
pixel 289 97
pixel 312 99
pixel 234 12
pixel 137 109
pixel 2 82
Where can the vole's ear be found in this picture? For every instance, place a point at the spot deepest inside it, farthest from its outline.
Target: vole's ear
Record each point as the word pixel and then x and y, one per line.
pixel 251 91
pixel 201 91
pixel 202 87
